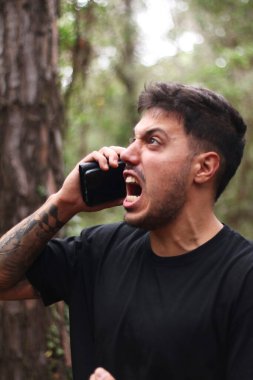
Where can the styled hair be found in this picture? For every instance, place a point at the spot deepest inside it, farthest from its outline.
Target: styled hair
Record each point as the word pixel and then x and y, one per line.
pixel 207 117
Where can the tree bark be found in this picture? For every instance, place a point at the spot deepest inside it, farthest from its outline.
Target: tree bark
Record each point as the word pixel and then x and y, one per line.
pixel 31 119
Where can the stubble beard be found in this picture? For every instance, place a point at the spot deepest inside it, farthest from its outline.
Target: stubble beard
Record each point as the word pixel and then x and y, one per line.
pixel 165 210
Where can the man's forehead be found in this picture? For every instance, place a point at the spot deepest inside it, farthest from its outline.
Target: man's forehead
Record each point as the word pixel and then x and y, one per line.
pixel 157 119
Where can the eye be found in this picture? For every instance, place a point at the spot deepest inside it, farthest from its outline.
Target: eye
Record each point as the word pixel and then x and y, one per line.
pixel 153 141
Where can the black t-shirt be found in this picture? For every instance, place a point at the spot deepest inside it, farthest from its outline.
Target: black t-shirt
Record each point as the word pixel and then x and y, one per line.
pixel 144 317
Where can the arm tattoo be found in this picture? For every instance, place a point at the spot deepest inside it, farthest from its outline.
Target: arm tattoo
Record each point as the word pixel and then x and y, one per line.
pixel 11 241
pixel 20 246
pixel 49 221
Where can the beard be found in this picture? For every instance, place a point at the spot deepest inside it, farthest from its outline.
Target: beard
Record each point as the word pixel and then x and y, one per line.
pixel 164 209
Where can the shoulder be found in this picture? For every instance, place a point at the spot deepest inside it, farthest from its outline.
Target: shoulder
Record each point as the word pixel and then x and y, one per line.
pixel 112 240
pixel 237 253
pixel 112 233
pixel 236 259
pixel 237 246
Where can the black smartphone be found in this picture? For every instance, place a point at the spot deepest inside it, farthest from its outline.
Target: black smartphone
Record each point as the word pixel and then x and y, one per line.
pixel 99 186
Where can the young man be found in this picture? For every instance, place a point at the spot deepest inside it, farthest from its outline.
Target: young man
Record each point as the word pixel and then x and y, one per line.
pixel 167 294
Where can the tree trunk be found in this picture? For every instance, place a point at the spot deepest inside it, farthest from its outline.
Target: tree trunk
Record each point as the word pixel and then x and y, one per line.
pixel 31 118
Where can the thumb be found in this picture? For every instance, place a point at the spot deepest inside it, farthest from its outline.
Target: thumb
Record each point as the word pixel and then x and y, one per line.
pixel 101 374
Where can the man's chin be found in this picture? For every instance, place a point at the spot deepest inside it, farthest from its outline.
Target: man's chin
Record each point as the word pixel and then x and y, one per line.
pixel 150 222
pixel 133 221
pixel 144 223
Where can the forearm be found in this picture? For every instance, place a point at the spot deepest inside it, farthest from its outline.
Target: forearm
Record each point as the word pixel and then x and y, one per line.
pixel 21 245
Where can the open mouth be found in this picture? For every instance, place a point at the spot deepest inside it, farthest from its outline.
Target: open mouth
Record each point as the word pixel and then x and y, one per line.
pixel 133 189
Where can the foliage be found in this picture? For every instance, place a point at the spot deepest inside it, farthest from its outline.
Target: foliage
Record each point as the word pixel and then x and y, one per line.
pixel 224 63
pixel 57 352
pixel 100 91
pixel 101 108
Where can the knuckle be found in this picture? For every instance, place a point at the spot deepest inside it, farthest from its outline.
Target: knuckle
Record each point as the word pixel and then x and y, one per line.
pixel 103 149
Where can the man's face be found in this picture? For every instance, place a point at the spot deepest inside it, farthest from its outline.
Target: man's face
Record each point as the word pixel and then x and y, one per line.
pixel 157 172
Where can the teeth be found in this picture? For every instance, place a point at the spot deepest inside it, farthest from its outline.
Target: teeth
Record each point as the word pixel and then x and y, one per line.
pixel 131 198
pixel 130 179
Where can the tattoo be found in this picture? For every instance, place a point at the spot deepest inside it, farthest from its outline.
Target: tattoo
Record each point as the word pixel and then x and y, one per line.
pixel 20 246
pixel 11 241
pixel 50 222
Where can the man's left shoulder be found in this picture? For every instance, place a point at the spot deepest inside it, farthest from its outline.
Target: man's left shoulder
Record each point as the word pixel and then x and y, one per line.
pixel 239 244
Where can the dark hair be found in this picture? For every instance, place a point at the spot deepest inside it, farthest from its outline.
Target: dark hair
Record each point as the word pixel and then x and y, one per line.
pixel 207 117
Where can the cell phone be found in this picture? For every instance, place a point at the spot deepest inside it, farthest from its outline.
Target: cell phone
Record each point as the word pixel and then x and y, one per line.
pixel 99 186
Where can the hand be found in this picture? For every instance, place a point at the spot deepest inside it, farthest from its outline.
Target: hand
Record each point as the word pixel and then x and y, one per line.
pixel 101 374
pixel 105 157
pixel 69 196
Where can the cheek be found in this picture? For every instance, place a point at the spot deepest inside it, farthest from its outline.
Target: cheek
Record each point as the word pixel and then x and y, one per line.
pixel 157 178
pixel 154 165
pixel 165 176
pixel 162 170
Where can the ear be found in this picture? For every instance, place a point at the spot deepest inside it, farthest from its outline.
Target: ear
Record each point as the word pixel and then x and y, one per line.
pixel 206 167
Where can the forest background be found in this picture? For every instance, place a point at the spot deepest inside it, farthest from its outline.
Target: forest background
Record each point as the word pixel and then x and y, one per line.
pixel 102 52
pixel 206 43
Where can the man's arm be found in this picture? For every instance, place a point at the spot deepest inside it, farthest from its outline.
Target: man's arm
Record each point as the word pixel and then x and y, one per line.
pixel 20 246
pixel 23 290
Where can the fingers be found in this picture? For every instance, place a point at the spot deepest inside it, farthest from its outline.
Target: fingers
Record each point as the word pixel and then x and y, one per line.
pixel 106 156
pixel 101 374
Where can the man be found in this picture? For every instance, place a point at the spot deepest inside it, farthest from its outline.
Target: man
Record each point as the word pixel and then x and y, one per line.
pixel 168 293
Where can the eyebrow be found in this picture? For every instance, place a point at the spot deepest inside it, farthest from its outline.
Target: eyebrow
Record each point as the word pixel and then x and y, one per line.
pixel 152 131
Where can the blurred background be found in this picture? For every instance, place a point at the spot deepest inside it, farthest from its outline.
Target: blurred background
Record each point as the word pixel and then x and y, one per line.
pixel 70 75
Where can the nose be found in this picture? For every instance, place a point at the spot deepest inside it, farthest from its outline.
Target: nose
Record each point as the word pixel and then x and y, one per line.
pixel 131 155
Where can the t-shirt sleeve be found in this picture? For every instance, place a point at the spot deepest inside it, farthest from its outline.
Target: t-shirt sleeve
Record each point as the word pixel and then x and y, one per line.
pixel 64 262
pixel 52 273
pixel 240 344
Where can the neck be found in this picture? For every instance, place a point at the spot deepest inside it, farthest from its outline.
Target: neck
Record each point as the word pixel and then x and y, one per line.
pixel 182 236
